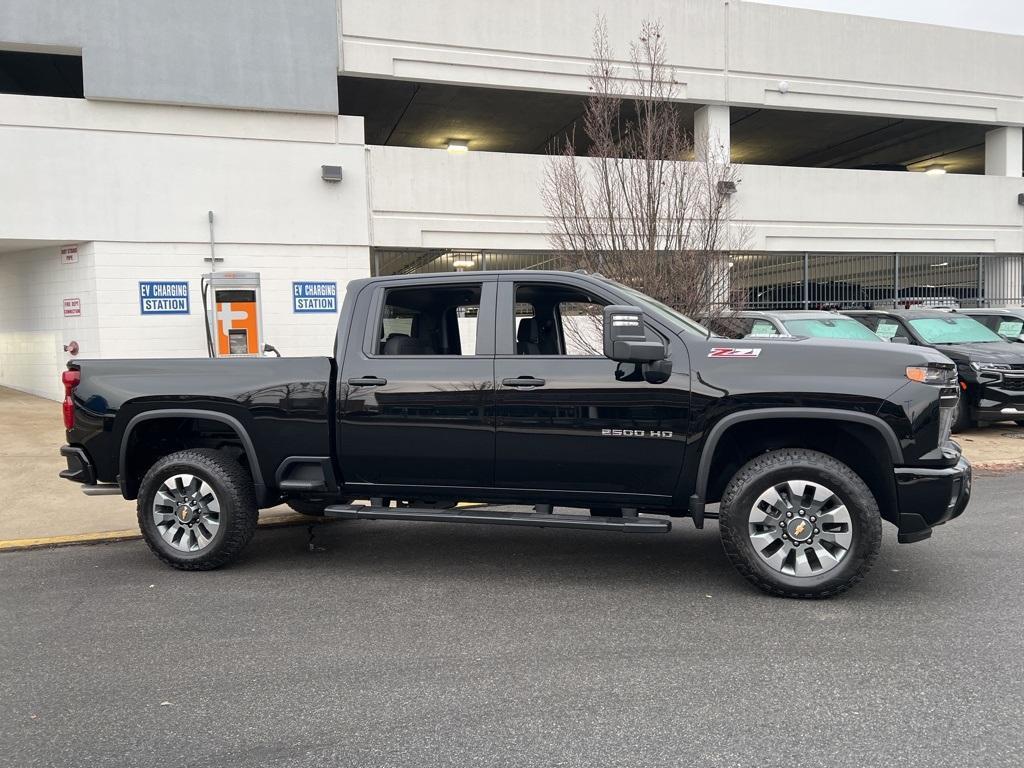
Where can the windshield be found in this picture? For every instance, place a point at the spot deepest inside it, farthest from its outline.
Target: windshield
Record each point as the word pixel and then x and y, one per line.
pixel 829 328
pixel 955 329
pixel 663 312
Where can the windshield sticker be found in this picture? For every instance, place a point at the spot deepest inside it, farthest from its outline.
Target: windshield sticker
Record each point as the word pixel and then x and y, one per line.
pixel 887 330
pixel 1010 328
pixel 734 352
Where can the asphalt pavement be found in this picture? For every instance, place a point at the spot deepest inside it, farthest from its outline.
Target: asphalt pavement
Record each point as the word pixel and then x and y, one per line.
pixel 417 644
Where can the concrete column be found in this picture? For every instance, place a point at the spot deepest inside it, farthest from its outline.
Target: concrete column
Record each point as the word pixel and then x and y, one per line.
pixel 1003 152
pixel 711 133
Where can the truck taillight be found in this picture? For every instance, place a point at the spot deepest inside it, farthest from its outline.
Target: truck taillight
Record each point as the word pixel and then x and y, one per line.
pixel 70 380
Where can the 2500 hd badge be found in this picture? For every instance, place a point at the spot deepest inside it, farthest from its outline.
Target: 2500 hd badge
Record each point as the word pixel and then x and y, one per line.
pixel 804 453
pixel 636 433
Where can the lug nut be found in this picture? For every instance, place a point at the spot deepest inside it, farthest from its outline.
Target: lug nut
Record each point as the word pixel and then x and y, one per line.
pixel 789 514
pixel 813 518
pixel 816 530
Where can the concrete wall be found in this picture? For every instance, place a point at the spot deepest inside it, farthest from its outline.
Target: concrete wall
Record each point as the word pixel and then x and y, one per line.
pixel 430 198
pixel 125 332
pixel 33 329
pixel 78 170
pixel 133 184
pixel 251 54
pixel 735 52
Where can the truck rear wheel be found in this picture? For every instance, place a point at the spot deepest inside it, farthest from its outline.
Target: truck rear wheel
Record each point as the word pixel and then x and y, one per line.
pixel 800 523
pixel 197 509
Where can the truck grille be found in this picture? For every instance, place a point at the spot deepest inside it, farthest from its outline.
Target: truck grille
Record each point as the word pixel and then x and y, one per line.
pixel 1012 383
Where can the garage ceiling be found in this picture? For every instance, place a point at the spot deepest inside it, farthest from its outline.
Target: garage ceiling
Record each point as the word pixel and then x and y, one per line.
pixel 410 114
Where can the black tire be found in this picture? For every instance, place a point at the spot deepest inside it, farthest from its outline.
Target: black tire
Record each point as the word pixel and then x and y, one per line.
pixel 962 421
pixel 238 511
pixel 770 469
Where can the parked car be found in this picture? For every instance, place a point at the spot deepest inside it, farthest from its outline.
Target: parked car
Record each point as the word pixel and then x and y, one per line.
pixel 990 369
pixel 821 294
pixel 805 447
pixel 1008 322
pixel 747 324
pixel 927 296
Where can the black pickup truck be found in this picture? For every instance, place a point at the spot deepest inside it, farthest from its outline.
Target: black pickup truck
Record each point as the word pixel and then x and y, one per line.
pixel 561 391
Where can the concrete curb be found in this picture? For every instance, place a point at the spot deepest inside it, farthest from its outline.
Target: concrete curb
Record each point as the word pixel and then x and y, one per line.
pixel 107 537
pixel 998 467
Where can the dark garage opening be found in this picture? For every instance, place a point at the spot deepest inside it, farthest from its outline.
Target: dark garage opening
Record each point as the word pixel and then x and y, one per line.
pixel 41 74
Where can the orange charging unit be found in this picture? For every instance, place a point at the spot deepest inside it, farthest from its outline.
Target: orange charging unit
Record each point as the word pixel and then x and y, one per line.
pixel 235 319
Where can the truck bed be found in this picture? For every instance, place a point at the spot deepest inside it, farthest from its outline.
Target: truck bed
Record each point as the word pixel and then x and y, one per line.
pixel 284 405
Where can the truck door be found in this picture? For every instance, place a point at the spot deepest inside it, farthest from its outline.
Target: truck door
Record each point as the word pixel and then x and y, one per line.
pixel 417 388
pixel 565 421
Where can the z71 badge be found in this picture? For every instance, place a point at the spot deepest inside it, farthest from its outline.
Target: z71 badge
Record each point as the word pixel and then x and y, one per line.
pixel 734 352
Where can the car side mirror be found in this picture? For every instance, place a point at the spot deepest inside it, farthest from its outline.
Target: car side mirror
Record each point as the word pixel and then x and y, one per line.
pixel 900 340
pixel 625 336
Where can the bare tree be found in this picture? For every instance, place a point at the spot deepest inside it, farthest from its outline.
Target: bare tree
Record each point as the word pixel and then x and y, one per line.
pixel 645 206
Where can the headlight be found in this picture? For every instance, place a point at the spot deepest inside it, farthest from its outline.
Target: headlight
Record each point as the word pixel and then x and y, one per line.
pixel 990 366
pixel 942 374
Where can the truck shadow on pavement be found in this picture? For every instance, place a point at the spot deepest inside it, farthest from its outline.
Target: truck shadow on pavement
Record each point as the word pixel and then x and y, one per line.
pixel 685 558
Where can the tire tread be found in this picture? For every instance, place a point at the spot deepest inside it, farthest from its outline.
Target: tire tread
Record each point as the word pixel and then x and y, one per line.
pixel 867 552
pixel 239 486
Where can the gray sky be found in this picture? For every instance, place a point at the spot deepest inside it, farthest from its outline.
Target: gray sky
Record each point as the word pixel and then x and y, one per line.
pixel 989 15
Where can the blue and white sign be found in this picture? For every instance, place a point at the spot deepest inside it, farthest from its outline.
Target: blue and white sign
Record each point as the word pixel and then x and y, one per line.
pixel 315 297
pixel 163 297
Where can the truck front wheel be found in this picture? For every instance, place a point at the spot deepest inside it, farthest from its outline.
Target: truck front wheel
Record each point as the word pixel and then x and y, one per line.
pixel 197 509
pixel 800 523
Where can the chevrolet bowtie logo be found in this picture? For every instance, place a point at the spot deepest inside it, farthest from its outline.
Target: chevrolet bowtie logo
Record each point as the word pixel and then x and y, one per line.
pixel 800 528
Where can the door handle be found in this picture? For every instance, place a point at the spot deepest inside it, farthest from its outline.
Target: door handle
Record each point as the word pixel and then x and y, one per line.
pixel 523 381
pixel 367 381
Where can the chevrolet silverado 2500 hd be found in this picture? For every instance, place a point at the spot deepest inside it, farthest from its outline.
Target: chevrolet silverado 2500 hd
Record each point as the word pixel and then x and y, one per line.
pixel 562 391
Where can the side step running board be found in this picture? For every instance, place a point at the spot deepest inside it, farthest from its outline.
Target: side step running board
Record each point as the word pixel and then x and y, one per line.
pixel 495 517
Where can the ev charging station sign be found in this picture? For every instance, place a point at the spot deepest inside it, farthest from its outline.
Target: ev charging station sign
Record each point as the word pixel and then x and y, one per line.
pixel 162 297
pixel 314 297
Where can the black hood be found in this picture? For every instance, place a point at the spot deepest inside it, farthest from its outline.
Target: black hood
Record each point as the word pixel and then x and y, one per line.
pixel 984 352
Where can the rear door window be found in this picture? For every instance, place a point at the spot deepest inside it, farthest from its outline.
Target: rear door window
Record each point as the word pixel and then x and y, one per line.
pixel 761 328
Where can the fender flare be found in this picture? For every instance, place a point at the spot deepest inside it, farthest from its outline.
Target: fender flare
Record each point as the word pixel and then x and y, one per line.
pixel 755 414
pixel 196 413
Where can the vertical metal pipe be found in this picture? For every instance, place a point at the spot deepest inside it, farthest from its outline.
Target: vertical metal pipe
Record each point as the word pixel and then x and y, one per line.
pixel 807 279
pixel 980 272
pixel 213 256
pixel 895 280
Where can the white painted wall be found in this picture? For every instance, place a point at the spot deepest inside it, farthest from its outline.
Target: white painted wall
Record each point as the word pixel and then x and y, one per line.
pixel 125 332
pixel 430 198
pixel 33 329
pixel 133 183
pixel 81 170
pixel 733 53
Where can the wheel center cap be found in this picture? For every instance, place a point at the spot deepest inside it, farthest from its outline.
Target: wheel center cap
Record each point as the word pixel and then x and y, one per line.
pixel 184 513
pixel 799 529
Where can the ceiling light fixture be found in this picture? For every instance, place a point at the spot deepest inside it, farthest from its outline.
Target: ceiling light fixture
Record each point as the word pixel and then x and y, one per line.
pixel 940 264
pixel 935 170
pixel 458 145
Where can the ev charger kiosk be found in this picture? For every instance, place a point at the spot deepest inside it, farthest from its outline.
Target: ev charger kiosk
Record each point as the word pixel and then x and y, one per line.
pixel 234 314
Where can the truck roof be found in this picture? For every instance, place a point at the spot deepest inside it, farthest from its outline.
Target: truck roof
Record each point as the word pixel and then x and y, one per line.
pixel 785 314
pixel 906 314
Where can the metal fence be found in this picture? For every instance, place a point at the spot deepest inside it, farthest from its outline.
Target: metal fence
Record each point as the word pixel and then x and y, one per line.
pixel 792 280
